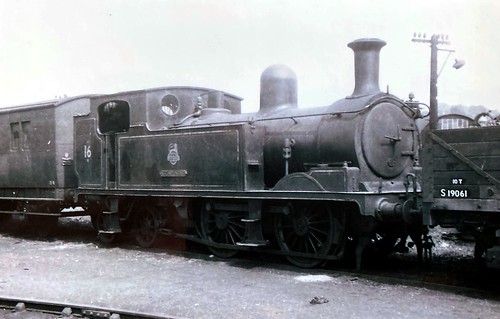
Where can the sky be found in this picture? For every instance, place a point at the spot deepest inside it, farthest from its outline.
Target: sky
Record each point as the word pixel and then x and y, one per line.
pixel 51 48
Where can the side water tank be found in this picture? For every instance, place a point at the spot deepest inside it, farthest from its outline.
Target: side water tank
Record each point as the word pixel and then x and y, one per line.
pixel 278 88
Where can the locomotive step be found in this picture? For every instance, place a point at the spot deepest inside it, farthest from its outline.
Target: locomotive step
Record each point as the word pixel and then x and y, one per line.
pixel 109 232
pixel 250 220
pixel 252 244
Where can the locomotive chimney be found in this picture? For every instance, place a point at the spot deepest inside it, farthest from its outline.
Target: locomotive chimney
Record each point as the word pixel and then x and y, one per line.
pixel 366 66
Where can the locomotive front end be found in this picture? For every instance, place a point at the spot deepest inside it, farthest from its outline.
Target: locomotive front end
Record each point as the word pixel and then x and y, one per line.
pixel 369 130
pixel 362 150
pixel 379 133
pixel 377 128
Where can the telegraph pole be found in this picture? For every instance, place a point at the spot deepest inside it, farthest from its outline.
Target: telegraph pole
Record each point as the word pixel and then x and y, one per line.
pixel 434 41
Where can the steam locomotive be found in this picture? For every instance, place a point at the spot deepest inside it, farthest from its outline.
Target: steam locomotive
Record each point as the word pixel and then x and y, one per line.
pixel 311 184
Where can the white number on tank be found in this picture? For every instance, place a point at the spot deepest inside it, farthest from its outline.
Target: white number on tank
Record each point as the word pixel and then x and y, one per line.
pixel 87 153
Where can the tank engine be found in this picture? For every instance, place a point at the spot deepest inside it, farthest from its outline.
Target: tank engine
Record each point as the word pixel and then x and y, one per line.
pixel 298 182
pixel 306 179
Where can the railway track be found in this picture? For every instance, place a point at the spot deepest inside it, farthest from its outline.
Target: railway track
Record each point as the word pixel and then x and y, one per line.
pixel 68 266
pixel 24 308
pixel 451 269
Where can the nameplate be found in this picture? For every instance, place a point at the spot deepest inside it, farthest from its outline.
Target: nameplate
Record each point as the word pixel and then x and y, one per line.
pixel 173 173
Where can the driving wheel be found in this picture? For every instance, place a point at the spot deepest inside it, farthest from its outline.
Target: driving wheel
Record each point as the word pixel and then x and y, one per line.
pixel 221 227
pixel 147 226
pixel 308 228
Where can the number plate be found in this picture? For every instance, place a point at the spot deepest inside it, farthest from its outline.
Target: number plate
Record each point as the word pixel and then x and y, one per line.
pixel 454 193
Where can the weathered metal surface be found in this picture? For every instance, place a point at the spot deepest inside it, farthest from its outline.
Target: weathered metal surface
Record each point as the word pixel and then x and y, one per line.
pixel 37 149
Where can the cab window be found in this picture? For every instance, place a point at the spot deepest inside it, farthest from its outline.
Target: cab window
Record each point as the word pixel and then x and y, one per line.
pixel 114 117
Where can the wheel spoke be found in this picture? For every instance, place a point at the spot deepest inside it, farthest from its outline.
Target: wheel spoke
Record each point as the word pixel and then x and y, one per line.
pixel 311 244
pixel 232 231
pixel 231 239
pixel 236 225
pixel 317 230
pixel 318 241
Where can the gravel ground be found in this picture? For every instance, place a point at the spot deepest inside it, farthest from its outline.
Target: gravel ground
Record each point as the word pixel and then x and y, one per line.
pixel 78 270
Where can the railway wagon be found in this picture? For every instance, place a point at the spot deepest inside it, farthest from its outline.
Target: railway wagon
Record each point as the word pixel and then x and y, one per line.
pixel 37 178
pixel 461 182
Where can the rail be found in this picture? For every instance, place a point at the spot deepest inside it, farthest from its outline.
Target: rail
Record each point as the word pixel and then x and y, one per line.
pixel 67 310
